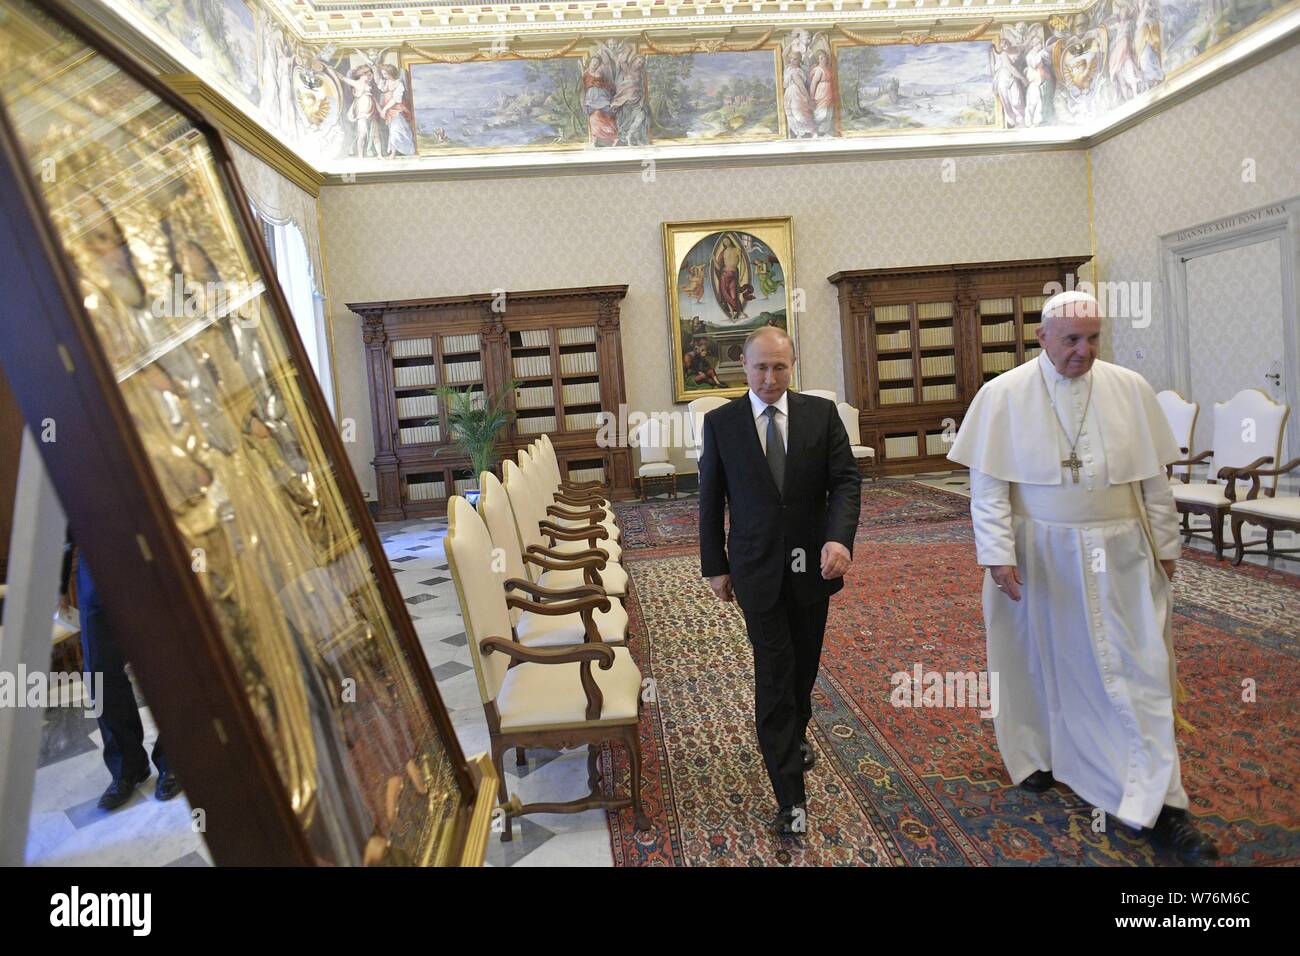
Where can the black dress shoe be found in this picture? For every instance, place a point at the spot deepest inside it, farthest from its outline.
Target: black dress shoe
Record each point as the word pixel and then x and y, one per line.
pixel 1039 781
pixel 809 755
pixel 791 821
pixel 120 791
pixel 1175 831
pixel 168 786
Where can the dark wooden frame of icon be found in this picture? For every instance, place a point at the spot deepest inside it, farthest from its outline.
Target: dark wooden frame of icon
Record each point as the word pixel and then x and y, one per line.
pixel 98 466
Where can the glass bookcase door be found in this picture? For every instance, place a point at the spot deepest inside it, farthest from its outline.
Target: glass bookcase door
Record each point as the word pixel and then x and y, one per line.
pixel 181 314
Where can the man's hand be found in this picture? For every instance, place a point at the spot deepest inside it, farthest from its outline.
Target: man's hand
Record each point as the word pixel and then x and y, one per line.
pixel 835 560
pixel 1170 566
pixel 1007 577
pixel 721 585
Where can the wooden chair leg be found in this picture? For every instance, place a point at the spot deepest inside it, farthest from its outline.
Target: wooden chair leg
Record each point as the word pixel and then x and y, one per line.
pixel 521 757
pixel 1216 531
pixel 593 773
pixel 1187 526
pixel 1237 522
pixel 1269 545
pixel 632 738
pixel 641 483
pixel 674 485
pixel 503 796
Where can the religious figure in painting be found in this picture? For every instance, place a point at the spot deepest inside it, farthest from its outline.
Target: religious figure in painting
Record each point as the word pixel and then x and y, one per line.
pixel 731 277
pixel 823 93
pixel 798 100
pixel 694 286
pixel 769 280
pixel 597 101
pixel 395 112
pixel 698 365
pixel 628 105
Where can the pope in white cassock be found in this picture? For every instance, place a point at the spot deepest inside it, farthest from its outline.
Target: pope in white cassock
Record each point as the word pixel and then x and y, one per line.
pixel 1075 522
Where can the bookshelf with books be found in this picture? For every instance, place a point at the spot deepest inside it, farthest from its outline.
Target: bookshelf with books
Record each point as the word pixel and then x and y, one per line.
pixel 562 348
pixel 920 341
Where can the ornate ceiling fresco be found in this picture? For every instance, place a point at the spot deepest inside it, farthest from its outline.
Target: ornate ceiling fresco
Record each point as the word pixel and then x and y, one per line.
pixel 385 87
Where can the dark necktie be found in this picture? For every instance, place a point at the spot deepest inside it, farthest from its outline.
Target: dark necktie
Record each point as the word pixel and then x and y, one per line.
pixel 775 450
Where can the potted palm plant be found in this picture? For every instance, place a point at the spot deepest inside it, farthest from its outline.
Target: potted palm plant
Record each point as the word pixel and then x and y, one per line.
pixel 475 421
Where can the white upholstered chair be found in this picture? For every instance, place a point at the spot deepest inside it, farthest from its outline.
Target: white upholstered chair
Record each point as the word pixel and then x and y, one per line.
pixel 1181 415
pixel 864 455
pixel 820 393
pixel 578 490
pixel 541 696
pixel 566 510
pixel 523 573
pixel 696 410
pixel 587 496
pixel 539 535
pixel 655 468
pixel 1248 430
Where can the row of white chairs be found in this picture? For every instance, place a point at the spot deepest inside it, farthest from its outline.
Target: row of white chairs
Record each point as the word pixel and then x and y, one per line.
pixel 541 591
pixel 1249 433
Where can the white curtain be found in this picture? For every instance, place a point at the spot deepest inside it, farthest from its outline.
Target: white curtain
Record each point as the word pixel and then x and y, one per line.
pixel 280 202
pixel 293 233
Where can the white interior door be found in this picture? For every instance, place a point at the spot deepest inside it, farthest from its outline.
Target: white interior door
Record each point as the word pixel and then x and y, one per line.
pixel 1235 317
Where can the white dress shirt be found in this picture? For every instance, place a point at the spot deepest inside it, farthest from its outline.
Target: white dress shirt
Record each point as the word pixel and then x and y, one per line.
pixel 782 419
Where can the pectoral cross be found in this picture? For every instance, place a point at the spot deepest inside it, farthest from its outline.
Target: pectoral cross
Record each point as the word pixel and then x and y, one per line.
pixel 1074 464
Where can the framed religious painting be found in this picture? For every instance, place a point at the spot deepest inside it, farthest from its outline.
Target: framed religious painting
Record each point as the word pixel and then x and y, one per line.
pixel 724 280
pixel 203 477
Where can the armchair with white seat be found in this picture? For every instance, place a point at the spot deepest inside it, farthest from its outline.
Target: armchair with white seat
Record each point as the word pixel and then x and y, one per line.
pixel 1270 512
pixel 548 697
pixel 1248 430
pixel 539 535
pixel 1181 415
pixel 655 467
pixel 864 455
pixel 552 484
pixel 544 450
pixel 570 517
pixel 527 574
pixel 695 412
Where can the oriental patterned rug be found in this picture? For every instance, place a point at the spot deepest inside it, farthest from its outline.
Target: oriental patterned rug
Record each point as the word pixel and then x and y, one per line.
pixel 898 786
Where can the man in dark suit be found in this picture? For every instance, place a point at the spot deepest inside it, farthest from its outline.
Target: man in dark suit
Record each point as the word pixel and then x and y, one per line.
pixel 781 463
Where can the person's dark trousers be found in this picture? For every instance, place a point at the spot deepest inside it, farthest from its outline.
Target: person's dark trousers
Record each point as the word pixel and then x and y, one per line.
pixel 787 642
pixel 119 721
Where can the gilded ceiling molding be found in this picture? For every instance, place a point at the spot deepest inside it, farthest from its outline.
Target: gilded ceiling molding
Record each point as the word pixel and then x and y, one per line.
pixel 233 122
pixel 707 46
pixel 916 39
pixel 352 23
pixel 433 57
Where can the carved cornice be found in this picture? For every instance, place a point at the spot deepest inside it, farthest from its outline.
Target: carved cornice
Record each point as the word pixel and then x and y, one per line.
pixel 390 23
pixel 233 122
pixel 611 292
pixel 916 39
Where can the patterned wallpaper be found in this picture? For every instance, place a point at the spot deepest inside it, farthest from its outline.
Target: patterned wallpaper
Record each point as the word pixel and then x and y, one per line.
pixel 401 240
pixel 1184 166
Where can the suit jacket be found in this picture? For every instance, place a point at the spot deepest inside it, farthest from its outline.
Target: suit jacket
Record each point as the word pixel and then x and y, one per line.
pixel 821 501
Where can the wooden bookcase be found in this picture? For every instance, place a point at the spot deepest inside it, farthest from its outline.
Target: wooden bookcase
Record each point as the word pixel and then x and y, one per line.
pixel 919 341
pixel 561 345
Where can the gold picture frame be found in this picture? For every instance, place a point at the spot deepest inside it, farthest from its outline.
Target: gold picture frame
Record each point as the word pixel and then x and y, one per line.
pixel 724 278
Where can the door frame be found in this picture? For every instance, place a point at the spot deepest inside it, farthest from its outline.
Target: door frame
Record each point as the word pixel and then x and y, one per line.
pixel 1278 220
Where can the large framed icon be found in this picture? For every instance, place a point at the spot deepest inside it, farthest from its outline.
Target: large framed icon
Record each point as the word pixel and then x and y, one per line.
pixel 204 478
pixel 725 279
